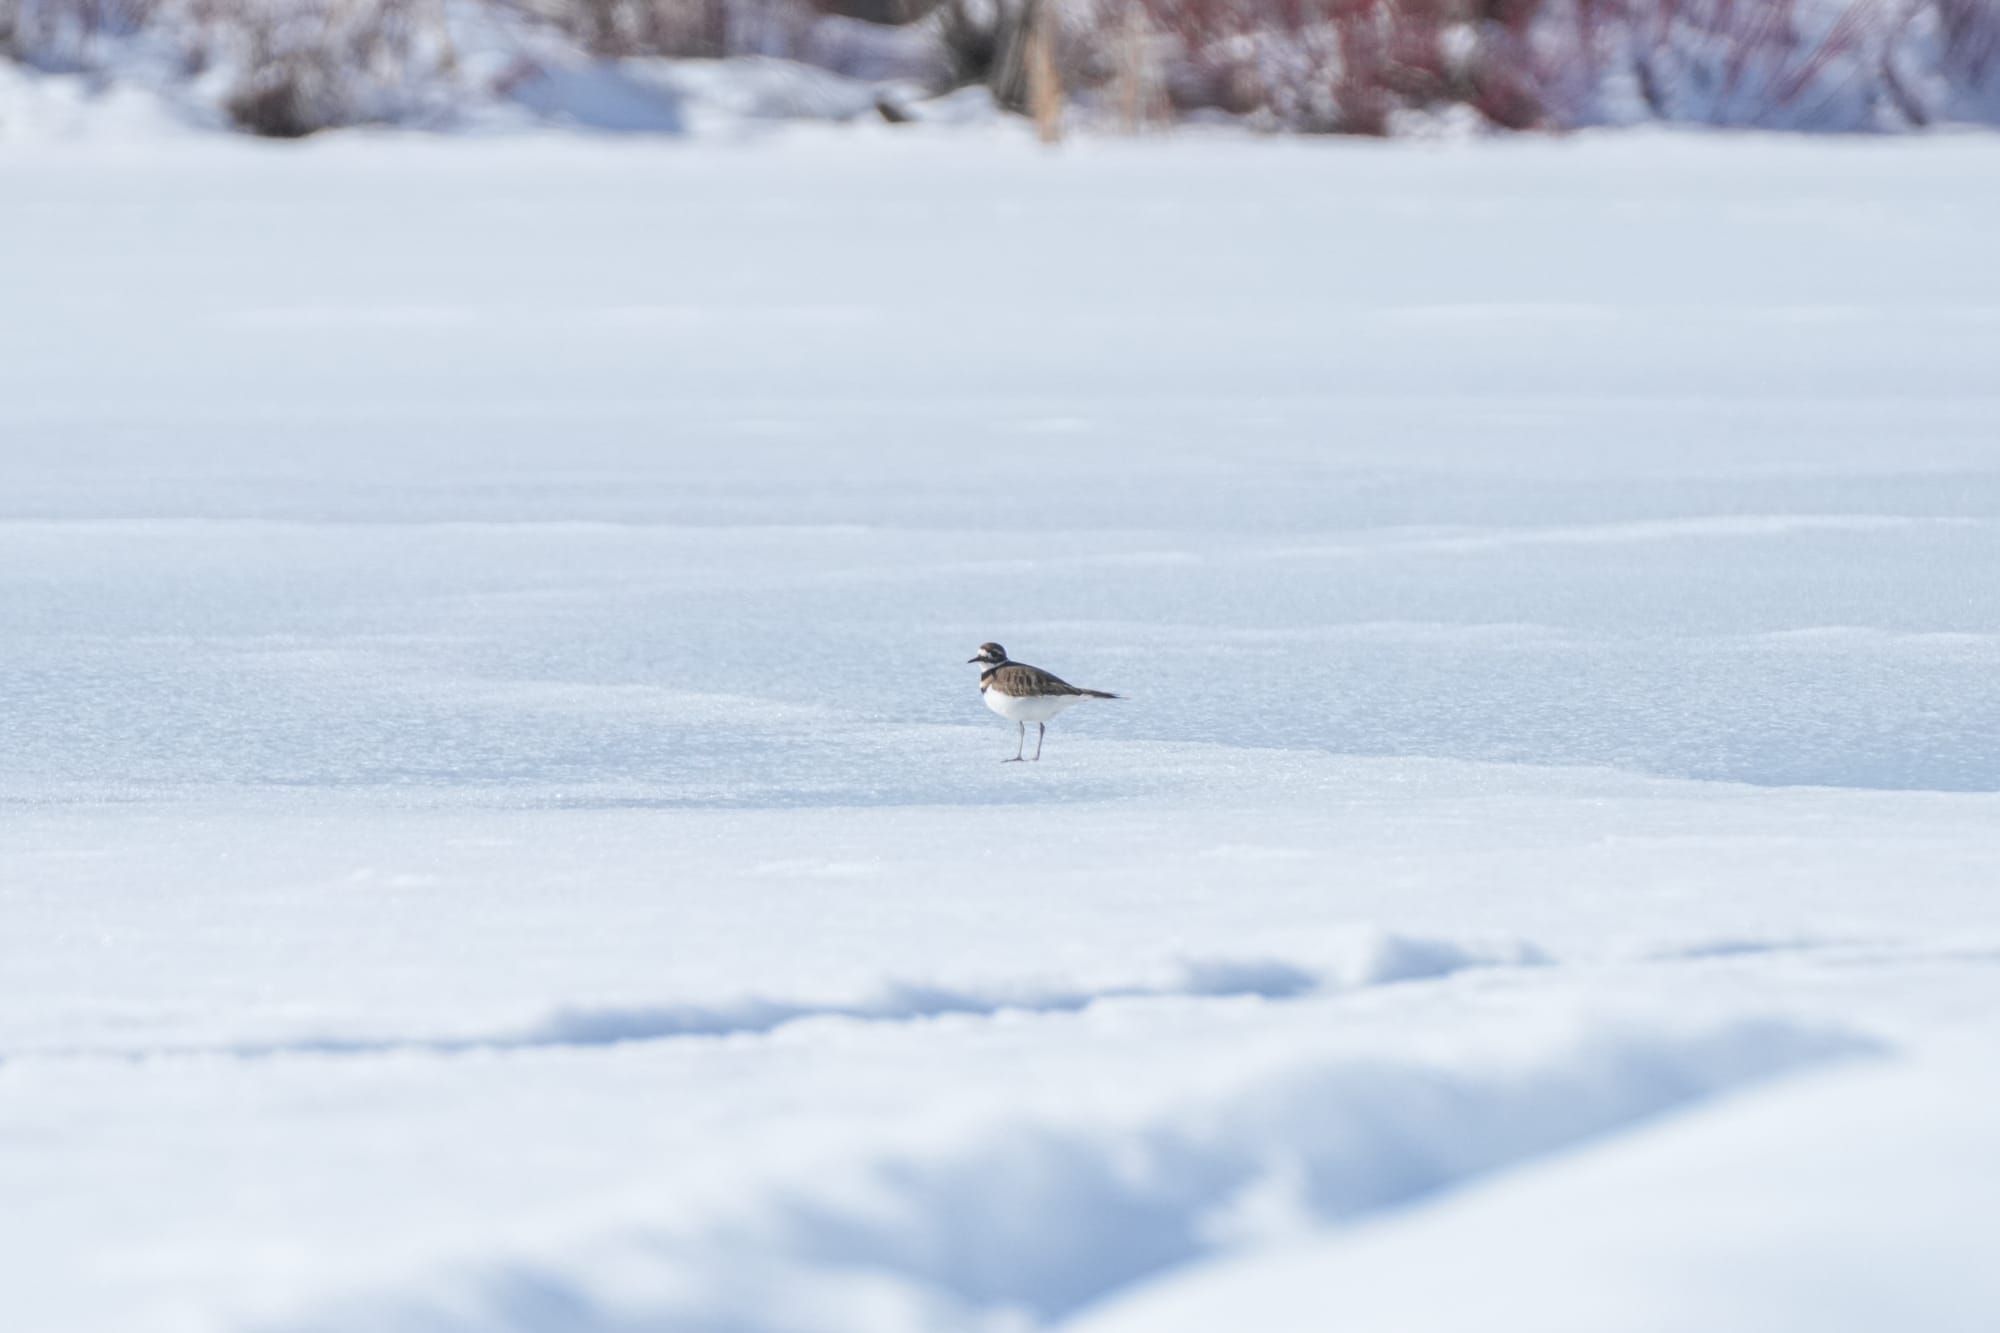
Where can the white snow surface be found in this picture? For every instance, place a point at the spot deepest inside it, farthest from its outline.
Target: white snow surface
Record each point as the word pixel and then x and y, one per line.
pixel 497 832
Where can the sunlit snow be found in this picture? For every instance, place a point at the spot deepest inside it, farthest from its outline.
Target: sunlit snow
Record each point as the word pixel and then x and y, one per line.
pixel 497 831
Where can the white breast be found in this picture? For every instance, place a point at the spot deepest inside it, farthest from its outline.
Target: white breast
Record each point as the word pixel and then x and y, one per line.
pixel 1029 707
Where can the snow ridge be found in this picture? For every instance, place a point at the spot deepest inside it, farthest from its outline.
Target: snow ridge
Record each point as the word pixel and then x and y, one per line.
pixel 1374 958
pixel 1022 1223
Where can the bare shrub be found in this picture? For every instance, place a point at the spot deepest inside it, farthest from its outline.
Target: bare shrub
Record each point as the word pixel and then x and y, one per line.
pixel 1969 32
pixel 1021 50
pixel 68 36
pixel 1355 66
pixel 310 65
pixel 299 65
pixel 1337 66
pixel 980 40
pixel 639 27
pixel 967 41
pixel 1778 63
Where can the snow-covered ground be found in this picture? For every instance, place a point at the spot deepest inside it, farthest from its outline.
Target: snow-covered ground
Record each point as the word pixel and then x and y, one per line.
pixel 497 833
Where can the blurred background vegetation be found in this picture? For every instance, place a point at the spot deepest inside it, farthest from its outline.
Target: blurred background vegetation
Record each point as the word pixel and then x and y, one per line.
pixel 287 68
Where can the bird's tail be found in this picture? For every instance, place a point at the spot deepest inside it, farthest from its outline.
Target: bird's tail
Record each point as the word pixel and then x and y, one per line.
pixel 1099 694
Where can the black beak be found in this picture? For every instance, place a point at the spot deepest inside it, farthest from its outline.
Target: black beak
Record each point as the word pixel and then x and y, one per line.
pixel 972 659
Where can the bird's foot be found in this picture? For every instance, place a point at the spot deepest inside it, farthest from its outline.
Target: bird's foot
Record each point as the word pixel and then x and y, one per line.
pixel 1015 760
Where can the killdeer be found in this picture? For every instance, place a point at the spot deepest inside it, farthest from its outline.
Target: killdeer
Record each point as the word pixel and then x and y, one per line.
pixel 1023 694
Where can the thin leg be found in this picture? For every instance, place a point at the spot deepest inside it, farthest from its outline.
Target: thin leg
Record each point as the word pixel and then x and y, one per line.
pixel 1042 730
pixel 1022 728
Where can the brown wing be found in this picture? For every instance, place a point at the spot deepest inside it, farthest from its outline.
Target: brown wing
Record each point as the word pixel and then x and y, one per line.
pixel 1015 679
pixel 1019 680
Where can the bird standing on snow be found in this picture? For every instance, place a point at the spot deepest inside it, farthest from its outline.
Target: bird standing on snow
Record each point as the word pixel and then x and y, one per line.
pixel 1023 694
